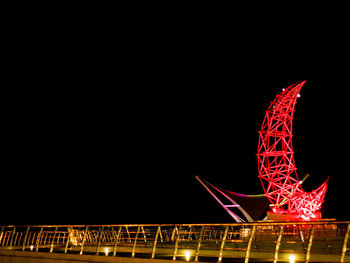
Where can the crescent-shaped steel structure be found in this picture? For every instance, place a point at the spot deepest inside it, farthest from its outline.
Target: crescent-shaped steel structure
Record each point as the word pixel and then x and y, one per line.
pixel 276 166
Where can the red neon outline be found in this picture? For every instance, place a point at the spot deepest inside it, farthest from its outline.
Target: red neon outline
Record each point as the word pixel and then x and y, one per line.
pixel 276 166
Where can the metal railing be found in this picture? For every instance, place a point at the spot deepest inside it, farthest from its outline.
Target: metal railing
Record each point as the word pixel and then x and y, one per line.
pixel 267 241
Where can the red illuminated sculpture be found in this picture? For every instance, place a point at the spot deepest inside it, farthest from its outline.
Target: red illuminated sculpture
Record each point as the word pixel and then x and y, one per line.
pixel 276 166
pixel 282 188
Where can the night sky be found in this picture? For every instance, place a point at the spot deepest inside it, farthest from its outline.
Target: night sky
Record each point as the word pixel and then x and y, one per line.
pixel 111 124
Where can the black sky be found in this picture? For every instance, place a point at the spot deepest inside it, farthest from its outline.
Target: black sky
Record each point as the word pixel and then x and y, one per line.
pixel 111 123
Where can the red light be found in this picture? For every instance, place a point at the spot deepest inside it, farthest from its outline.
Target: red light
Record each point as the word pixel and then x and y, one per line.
pixel 276 165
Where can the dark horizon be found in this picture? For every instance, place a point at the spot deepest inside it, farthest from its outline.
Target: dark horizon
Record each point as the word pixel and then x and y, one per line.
pixel 101 133
pixel 145 171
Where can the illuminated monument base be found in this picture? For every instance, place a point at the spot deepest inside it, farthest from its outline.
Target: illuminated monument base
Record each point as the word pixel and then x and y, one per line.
pixel 280 216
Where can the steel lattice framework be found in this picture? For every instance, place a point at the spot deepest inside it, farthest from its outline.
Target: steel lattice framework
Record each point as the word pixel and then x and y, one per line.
pixel 276 166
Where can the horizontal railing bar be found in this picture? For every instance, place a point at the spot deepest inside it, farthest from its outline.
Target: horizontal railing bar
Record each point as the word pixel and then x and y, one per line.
pixel 284 223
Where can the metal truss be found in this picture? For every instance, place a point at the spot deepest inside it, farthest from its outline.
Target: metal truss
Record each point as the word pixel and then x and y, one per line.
pixel 276 166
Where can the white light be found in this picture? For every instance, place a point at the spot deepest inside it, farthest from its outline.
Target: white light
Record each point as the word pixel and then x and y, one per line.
pixel 298 95
pixel 187 255
pixel 291 258
pixel 106 251
pixel 31 247
pixel 283 89
pixel 305 217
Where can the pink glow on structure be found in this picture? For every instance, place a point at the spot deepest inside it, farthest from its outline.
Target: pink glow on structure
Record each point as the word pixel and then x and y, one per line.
pixel 276 166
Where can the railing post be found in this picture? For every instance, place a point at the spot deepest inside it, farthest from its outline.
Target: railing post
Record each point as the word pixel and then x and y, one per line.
pixel 53 239
pixel 2 234
pixel 83 241
pixel 144 234
pixel 59 237
pixel 173 233
pixel 277 246
pixel 222 245
pixel 31 241
pixel 176 243
pixel 7 238
pixel 99 241
pixel 155 242
pixel 116 241
pixel 199 244
pixel 67 242
pixel 309 244
pixel 20 235
pixel 343 251
pixel 38 239
pixel 12 236
pixel 25 239
pixel 249 245
pixel 127 231
pixel 135 240
pixel 301 238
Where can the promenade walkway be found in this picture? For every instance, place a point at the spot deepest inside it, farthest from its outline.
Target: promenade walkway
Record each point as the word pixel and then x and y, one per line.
pixel 314 241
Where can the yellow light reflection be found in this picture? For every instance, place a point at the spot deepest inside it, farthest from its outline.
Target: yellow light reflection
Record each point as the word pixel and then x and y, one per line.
pixel 291 258
pixel 187 255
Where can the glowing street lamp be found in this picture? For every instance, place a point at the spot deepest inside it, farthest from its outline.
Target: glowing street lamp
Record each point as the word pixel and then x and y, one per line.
pixel 291 258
